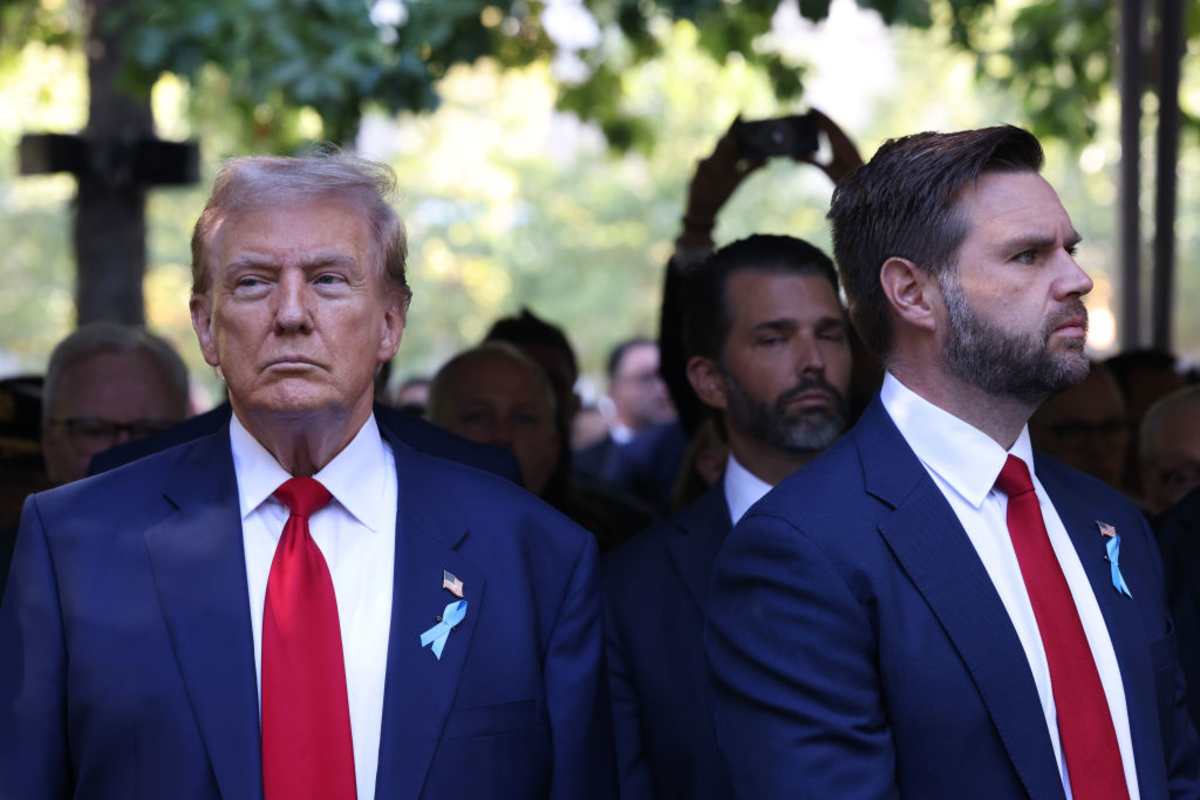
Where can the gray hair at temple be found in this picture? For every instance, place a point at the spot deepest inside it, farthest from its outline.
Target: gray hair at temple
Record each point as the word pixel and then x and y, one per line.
pixel 97 338
pixel 256 182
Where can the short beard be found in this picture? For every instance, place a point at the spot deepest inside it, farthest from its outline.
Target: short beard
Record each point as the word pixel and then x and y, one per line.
pixel 1003 364
pixel 799 432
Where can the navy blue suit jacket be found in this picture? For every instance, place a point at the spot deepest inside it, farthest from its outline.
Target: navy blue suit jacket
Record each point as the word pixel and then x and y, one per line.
pixel 413 431
pixel 645 467
pixel 655 589
pixel 859 649
pixel 127 663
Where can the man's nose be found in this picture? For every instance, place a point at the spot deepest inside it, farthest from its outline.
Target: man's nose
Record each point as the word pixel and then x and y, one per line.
pixel 1074 281
pixel 502 434
pixel 808 355
pixel 291 311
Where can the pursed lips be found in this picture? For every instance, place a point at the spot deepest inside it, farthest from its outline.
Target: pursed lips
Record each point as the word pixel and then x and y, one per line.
pixel 1074 323
pixel 810 398
pixel 292 362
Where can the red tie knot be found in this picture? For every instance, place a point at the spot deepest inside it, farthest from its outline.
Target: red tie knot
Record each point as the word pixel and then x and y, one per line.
pixel 1014 478
pixel 303 496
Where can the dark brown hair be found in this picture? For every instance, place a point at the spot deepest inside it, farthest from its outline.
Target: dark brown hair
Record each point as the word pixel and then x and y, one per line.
pixel 904 204
pixel 707 316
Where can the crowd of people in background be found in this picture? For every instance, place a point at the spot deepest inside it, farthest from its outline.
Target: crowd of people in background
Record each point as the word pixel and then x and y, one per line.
pixel 1134 422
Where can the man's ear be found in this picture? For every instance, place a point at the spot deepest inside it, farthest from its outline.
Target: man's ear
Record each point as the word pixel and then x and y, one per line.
pixel 912 292
pixel 707 382
pixel 395 317
pixel 201 307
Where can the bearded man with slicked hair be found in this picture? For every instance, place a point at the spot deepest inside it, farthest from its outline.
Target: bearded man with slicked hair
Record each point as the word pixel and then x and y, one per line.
pixel 931 608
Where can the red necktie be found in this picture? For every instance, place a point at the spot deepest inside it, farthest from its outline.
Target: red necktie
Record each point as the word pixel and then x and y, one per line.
pixel 307 751
pixel 1085 727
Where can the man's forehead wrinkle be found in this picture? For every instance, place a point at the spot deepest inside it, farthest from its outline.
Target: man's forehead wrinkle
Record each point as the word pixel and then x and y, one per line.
pixel 254 255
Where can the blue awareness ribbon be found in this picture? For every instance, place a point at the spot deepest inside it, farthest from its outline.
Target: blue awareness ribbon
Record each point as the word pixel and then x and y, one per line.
pixel 1114 554
pixel 436 636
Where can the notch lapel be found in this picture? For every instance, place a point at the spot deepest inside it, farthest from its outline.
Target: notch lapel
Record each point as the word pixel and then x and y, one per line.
pixel 696 538
pixel 1123 620
pixel 199 568
pixel 931 546
pixel 420 689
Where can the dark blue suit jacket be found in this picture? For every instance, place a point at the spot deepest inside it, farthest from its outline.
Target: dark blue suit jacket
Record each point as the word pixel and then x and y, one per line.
pixel 1179 540
pixel 655 590
pixel 413 431
pixel 859 649
pixel 646 467
pixel 127 663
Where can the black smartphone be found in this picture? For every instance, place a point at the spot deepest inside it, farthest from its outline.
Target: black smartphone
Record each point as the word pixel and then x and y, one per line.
pixel 788 137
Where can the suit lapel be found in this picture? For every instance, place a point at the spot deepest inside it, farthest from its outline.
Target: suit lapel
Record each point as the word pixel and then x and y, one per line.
pixel 696 539
pixel 1121 617
pixel 199 569
pixel 420 688
pixel 931 546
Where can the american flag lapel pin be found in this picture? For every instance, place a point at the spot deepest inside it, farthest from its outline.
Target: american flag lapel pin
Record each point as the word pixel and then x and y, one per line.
pixel 452 583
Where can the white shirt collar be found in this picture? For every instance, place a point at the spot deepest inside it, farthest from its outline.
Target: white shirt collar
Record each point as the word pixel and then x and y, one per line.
pixel 964 457
pixel 352 477
pixel 742 489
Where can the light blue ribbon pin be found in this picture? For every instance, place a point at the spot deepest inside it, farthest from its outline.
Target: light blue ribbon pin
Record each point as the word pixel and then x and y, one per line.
pixel 1113 546
pixel 453 614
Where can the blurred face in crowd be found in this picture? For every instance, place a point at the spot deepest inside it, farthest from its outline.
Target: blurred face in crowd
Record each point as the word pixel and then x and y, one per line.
pixel 1170 455
pixel 1085 426
pixel 556 363
pixel 1145 386
pixel 494 399
pixel 638 391
pixel 102 401
pixel 1016 321
pixel 299 314
pixel 785 366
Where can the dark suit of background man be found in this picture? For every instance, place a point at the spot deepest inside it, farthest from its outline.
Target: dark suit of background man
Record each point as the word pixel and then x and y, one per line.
pixel 768 353
pixel 644 446
pixel 930 609
pixel 402 626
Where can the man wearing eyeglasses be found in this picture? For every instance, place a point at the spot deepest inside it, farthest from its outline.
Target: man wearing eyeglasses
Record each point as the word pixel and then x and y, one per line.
pixel 107 384
pixel 1087 426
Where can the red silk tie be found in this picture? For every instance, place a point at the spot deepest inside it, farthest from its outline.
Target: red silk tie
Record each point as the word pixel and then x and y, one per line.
pixel 1085 727
pixel 307 750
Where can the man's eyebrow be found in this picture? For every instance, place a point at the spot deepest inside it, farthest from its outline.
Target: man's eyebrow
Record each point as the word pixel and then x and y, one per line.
pixel 783 324
pixel 1039 241
pixel 251 261
pixel 309 262
pixel 327 259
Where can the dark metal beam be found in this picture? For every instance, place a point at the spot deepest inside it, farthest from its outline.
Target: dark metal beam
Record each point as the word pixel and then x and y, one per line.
pixel 1171 26
pixel 1129 222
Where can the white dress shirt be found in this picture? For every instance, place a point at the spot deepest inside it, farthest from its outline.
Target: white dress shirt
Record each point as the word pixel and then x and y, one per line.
pixel 356 534
pixel 742 489
pixel 964 463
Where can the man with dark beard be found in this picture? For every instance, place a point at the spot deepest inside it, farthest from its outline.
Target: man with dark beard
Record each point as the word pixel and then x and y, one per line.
pixel 768 354
pixel 931 609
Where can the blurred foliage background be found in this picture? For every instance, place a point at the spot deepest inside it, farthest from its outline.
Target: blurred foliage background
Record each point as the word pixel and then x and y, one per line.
pixel 543 152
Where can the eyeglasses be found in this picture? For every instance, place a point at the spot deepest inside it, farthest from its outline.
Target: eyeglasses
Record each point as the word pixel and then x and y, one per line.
pixel 97 429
